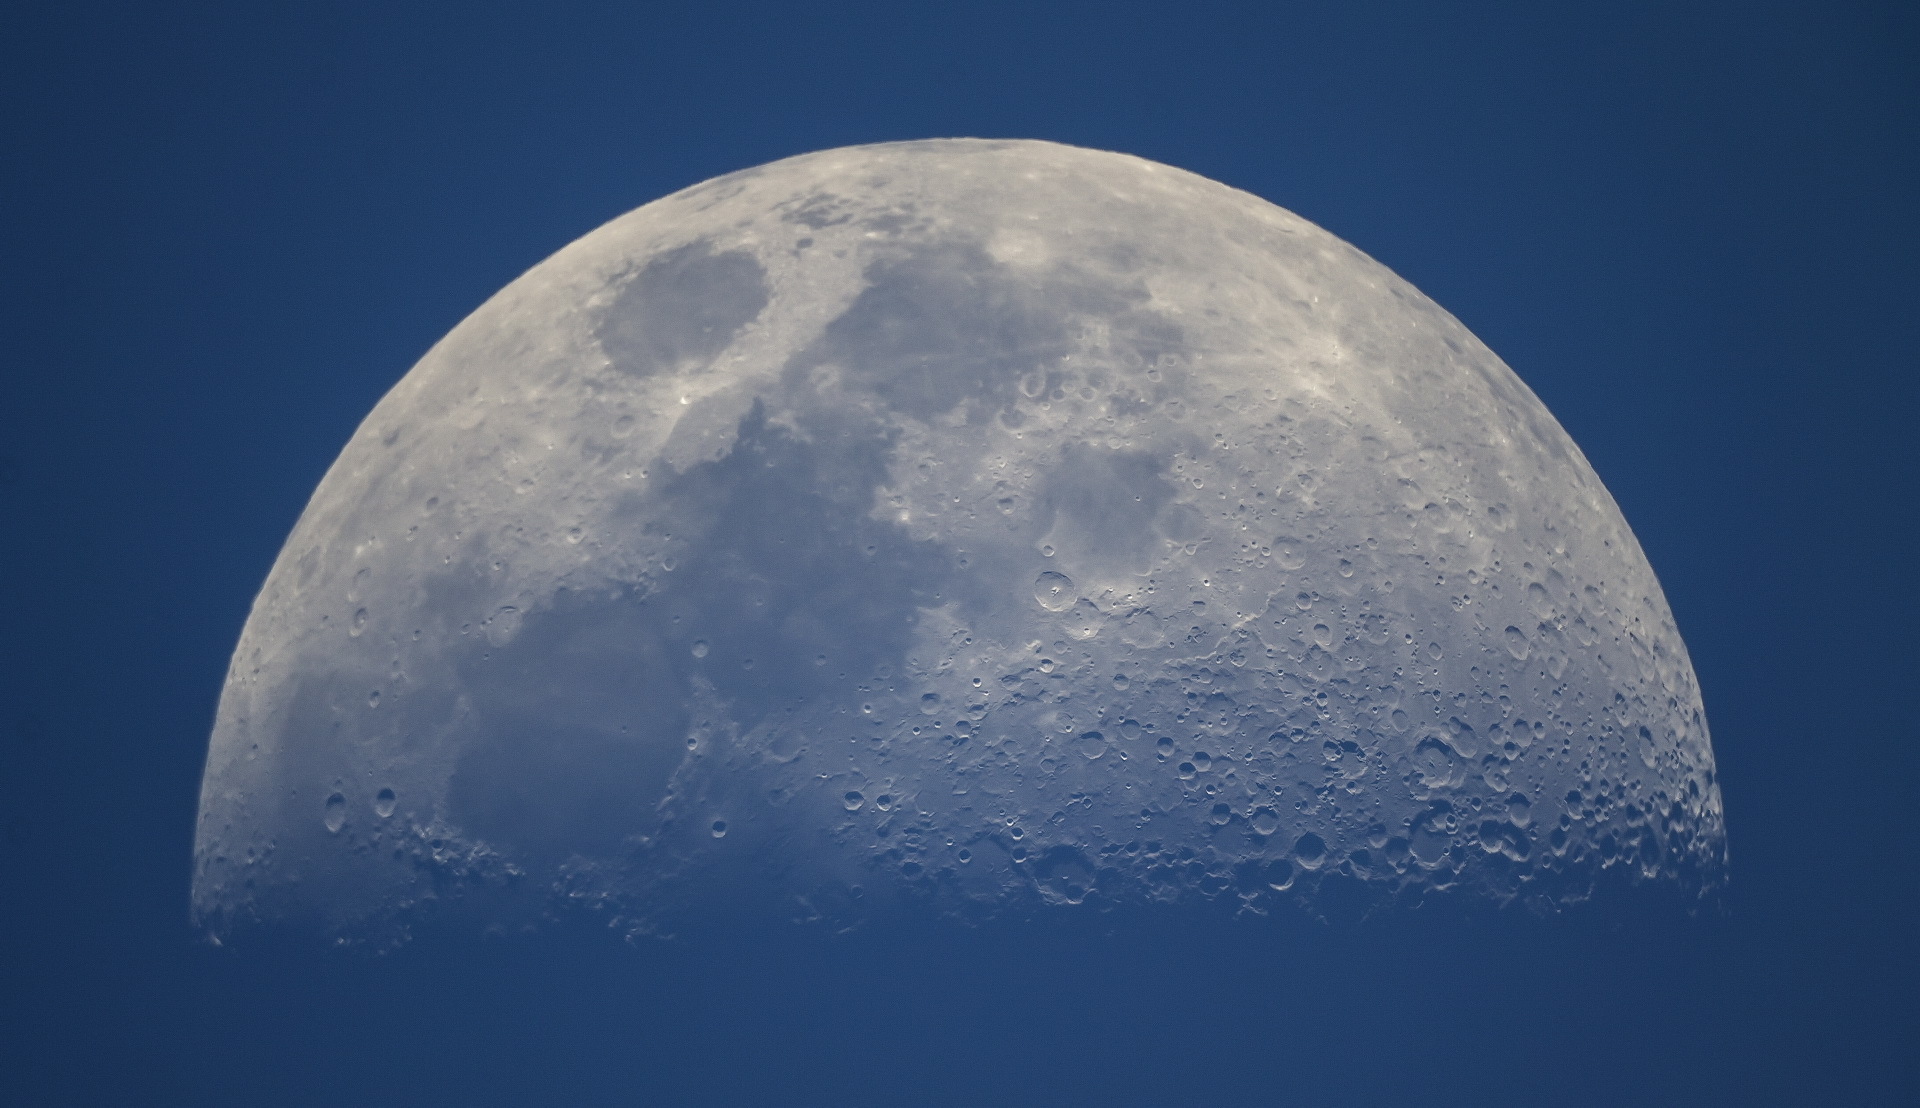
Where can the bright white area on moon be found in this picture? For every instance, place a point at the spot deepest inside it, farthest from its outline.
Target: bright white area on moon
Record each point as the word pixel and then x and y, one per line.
pixel 957 527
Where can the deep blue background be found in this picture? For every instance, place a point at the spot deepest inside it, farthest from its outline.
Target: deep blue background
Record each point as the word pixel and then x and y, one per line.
pixel 1690 228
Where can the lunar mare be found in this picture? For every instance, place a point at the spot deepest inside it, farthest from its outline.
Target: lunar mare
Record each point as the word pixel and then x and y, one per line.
pixel 963 527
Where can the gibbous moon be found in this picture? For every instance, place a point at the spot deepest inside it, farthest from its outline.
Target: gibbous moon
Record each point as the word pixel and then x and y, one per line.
pixel 962 528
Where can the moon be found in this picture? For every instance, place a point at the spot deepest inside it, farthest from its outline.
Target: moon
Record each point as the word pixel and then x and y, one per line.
pixel 958 527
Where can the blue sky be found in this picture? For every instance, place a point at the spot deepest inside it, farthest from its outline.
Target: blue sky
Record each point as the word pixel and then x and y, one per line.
pixel 228 229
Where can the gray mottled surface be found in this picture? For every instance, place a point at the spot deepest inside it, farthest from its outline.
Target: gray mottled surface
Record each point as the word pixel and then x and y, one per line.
pixel 976 525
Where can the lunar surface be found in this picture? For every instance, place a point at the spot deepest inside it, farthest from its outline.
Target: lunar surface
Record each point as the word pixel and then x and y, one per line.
pixel 963 528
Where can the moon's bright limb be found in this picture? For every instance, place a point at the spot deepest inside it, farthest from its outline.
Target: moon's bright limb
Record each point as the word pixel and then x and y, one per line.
pixel 983 524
